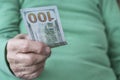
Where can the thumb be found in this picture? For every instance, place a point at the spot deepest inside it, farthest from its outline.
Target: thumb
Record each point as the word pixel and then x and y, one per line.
pixel 21 36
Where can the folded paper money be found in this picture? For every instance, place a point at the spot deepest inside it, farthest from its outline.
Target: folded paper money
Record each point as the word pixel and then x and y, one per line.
pixel 43 24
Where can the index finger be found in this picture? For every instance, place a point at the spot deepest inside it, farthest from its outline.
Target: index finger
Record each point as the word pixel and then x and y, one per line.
pixel 28 46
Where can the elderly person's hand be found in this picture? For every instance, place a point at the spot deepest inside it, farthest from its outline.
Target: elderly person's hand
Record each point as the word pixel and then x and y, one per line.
pixel 26 58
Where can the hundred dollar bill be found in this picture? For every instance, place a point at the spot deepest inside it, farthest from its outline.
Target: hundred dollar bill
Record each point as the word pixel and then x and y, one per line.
pixel 43 24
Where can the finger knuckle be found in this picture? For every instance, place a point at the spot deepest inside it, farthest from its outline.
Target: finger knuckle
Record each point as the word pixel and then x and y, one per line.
pixel 10 59
pixel 14 69
pixel 19 74
pixel 9 45
pixel 25 45
pixel 41 47
pixel 30 76
pixel 30 60
pixel 35 75
pixel 26 77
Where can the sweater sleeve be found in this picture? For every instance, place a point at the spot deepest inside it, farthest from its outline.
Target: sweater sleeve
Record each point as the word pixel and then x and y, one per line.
pixel 111 13
pixel 9 27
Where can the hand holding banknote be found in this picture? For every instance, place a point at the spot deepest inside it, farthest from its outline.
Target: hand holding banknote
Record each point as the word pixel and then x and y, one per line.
pixel 26 58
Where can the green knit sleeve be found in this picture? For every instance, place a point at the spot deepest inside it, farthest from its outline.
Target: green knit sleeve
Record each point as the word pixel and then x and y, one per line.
pixel 9 27
pixel 111 13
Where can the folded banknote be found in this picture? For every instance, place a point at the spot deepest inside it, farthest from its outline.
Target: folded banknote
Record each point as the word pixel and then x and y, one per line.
pixel 43 24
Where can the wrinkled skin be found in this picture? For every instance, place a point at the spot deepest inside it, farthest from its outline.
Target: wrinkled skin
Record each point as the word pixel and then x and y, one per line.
pixel 26 58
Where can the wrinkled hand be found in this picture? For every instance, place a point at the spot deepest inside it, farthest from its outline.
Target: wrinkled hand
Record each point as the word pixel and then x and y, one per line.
pixel 25 57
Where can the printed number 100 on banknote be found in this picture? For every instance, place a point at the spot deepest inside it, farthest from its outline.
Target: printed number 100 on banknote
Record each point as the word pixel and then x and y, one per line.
pixel 43 24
